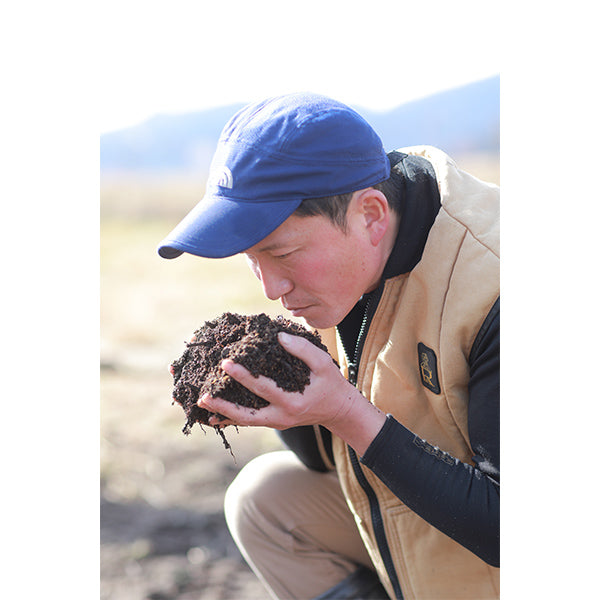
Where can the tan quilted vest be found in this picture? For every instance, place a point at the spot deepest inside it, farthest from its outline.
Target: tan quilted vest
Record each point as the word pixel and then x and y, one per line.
pixel 442 304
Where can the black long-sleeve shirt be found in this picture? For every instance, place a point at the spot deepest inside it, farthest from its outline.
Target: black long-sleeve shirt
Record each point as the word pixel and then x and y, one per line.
pixel 461 500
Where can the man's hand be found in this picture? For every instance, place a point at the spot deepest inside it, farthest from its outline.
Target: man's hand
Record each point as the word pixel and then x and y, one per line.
pixel 329 400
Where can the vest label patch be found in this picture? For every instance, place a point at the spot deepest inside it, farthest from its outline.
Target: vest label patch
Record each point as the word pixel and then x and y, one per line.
pixel 428 368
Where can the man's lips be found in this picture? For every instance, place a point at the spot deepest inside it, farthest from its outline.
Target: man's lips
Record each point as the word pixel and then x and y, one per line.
pixel 295 310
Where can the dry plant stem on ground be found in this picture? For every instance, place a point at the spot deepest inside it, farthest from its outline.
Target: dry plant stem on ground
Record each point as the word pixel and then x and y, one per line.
pixel 248 340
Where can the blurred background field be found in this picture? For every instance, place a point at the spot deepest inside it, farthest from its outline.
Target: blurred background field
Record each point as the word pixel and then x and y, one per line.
pixel 163 533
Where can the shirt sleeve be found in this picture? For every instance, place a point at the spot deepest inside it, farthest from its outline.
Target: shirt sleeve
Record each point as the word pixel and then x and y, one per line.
pixel 460 500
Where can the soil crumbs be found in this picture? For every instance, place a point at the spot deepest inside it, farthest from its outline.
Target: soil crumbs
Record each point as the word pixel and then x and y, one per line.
pixel 249 340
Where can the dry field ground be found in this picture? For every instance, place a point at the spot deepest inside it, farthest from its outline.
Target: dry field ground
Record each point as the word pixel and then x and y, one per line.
pixel 163 534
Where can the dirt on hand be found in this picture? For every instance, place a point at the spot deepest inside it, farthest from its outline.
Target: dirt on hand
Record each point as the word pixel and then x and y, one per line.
pixel 248 340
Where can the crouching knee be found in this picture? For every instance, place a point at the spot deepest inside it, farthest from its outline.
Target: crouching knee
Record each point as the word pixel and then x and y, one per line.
pixel 251 500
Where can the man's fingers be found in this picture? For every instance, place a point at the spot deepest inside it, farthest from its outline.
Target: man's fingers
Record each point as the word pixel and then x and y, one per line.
pixel 262 386
pixel 217 405
pixel 230 412
pixel 305 350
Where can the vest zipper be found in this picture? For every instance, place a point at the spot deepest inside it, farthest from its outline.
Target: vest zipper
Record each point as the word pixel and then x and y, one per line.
pixel 353 363
pixel 376 518
pixel 377 521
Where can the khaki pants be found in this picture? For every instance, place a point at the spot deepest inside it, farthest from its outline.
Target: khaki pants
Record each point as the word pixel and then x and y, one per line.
pixel 293 526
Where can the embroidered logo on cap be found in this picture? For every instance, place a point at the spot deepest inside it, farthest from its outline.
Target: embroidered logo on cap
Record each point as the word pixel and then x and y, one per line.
pixel 219 173
pixel 428 368
pixel 222 177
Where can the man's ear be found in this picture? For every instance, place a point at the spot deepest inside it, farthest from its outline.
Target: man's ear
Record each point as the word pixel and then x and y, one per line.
pixel 374 209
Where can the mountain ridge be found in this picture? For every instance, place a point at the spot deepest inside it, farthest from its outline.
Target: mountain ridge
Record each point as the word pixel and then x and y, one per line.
pixel 462 120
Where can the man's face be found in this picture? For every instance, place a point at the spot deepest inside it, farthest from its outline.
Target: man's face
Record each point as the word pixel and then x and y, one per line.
pixel 315 269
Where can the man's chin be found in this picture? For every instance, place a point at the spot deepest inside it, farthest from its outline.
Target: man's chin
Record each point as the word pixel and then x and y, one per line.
pixel 318 322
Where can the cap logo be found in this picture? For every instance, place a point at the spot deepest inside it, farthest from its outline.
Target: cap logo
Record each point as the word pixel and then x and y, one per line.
pixel 222 177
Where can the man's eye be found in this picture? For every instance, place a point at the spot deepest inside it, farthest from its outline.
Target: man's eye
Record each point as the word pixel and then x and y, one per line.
pixel 285 255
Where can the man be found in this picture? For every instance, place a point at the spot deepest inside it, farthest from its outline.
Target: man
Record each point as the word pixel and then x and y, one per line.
pixel 392 488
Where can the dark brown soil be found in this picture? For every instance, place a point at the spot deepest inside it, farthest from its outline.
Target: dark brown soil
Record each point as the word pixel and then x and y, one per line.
pixel 248 340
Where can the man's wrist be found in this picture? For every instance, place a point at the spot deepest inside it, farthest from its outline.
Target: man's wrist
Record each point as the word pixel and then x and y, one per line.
pixel 359 424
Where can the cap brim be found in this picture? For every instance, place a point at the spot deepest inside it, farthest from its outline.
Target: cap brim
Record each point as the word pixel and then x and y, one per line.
pixel 218 227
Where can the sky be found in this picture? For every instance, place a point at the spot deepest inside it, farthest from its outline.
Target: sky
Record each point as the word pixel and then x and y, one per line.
pixel 186 56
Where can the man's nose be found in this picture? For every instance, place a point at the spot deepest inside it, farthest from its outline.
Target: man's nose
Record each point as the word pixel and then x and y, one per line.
pixel 275 285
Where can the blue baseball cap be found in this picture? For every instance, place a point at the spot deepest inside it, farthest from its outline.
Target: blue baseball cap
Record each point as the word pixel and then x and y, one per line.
pixel 270 157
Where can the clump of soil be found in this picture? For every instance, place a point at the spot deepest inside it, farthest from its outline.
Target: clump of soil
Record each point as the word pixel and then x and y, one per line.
pixel 248 340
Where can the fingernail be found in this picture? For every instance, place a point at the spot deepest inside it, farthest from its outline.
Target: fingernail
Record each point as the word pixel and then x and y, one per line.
pixel 284 338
